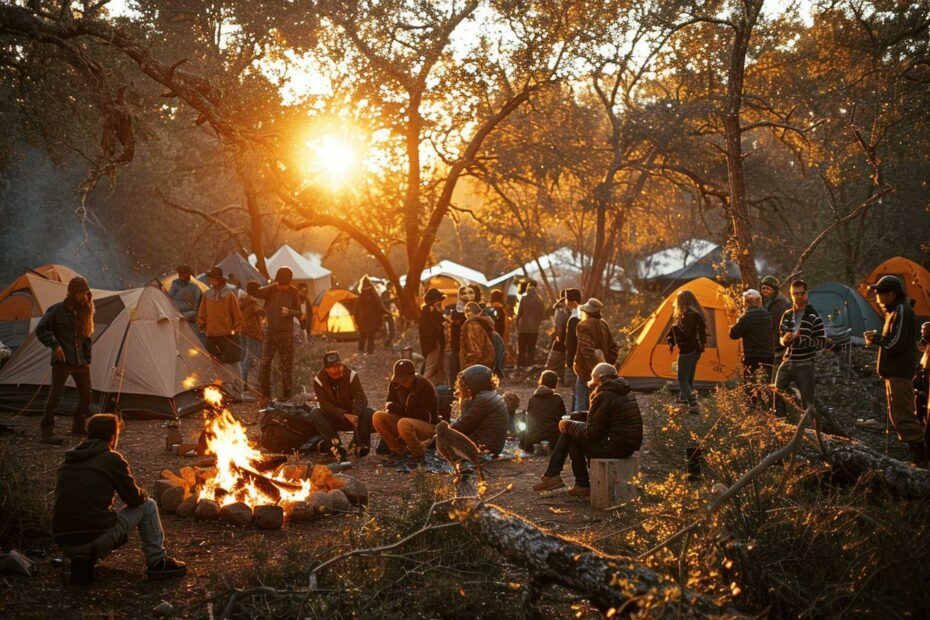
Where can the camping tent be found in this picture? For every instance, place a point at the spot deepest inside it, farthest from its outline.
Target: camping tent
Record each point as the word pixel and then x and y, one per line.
pixel 147 360
pixel 235 264
pixel 448 276
pixel 649 365
pixel 562 268
pixel 32 293
pixel 916 279
pixel 845 313
pixel 695 258
pixel 317 278
pixel 333 312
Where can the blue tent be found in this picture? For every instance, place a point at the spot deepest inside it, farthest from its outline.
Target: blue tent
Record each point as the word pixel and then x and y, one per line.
pixel 845 313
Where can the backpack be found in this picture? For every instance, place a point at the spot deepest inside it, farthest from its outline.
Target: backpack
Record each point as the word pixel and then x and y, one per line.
pixel 283 431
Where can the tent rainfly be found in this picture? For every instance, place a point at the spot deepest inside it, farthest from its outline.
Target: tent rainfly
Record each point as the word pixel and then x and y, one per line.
pixel 235 264
pixel 562 268
pixel 916 280
pixel 147 360
pixel 317 278
pixel 695 258
pixel 845 313
pixel 648 366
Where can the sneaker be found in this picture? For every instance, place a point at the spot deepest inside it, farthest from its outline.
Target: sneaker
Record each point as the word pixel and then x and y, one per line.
pixel 578 491
pixel 167 568
pixel 547 483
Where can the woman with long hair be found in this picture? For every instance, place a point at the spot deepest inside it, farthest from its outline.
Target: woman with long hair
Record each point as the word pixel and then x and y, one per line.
pixel 689 334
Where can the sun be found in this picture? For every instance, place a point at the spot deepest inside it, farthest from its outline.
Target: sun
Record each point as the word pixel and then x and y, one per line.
pixel 332 160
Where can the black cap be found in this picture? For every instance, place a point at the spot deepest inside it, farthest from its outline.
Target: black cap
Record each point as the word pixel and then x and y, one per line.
pixel 888 284
pixel 403 369
pixel 572 294
pixel 331 358
pixel 433 295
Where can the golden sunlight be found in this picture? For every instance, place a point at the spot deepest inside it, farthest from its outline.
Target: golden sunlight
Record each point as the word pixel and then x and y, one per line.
pixel 332 159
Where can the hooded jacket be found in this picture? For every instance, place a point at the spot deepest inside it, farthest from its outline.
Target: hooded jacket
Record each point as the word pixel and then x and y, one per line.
pixel 530 312
pixel 219 313
pixel 897 346
pixel 614 417
pixel 593 333
pixel 485 420
pixel 340 397
pixel 58 328
pixel 543 412
pixel 476 345
pixel 87 481
pixel 417 402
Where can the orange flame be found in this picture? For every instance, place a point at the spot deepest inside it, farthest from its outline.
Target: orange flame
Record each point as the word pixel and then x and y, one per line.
pixel 213 396
pixel 190 382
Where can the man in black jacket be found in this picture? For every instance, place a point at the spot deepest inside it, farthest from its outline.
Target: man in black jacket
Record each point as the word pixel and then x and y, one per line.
pixel 282 306
pixel 67 329
pixel 754 327
pixel 897 359
pixel 614 430
pixel 775 304
pixel 433 337
pixel 409 416
pixel 342 406
pixel 83 520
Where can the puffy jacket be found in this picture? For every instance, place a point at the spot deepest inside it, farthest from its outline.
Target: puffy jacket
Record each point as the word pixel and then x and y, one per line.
pixel 530 312
pixel 543 412
pixel 593 333
pixel 88 480
pixel 614 416
pixel 369 310
pixel 186 298
pixel 485 420
pixel 344 396
pixel 419 401
pixel 755 328
pixel 431 329
pixel 251 317
pixel 57 328
pixel 476 345
pixel 689 333
pixel 897 345
pixel 219 313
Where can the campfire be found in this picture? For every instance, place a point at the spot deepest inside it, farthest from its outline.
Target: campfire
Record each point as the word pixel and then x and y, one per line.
pixel 244 486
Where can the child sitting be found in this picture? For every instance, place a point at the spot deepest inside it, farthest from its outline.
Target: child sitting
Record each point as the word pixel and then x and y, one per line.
pixel 543 412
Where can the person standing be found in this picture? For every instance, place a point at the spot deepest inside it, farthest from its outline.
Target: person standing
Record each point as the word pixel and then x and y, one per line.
pixel 595 344
pixel 922 383
pixel 689 334
pixel 555 361
pixel 802 334
pixel 282 306
pixel 253 318
pixel 754 327
pixel 572 302
pixel 67 328
pixel 433 337
pixel 389 300
pixel 530 313
pixel 455 318
pixel 776 304
pixel 369 315
pixel 477 344
pixel 185 294
pixel 220 320
pixel 897 359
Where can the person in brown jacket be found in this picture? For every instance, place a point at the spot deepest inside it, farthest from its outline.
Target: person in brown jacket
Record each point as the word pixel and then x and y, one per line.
pixel 476 345
pixel 595 344
pixel 369 315
pixel 220 320
pixel 409 416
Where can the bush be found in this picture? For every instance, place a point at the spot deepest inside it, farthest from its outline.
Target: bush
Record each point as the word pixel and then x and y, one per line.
pixel 24 517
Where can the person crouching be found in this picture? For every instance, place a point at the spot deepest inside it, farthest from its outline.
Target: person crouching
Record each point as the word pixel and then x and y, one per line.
pixel 544 411
pixel 409 416
pixel 613 430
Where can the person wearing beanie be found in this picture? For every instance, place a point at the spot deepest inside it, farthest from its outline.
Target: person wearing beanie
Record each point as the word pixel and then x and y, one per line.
pixel 776 304
pixel 67 329
pixel 282 308
pixel 341 406
pixel 543 412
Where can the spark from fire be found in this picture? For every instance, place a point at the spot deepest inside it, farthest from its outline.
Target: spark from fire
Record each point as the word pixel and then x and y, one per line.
pixel 213 396
pixel 190 382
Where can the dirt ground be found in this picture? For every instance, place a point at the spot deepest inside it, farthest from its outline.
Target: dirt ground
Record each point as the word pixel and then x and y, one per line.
pixel 121 590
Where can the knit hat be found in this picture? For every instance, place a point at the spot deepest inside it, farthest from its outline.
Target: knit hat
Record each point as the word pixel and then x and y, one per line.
pixel 770 281
pixel 284 275
pixel 77 285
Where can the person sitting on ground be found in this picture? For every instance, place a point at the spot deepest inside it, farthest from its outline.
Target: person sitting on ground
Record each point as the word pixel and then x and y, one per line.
pixel 613 430
pixel 754 327
pixel 409 416
pixel 185 294
pixel 543 412
pixel 342 406
pixel 484 416
pixel 476 345
pixel 84 522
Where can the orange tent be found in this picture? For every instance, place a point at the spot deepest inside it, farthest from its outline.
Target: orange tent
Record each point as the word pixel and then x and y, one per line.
pixel 916 280
pixel 332 313
pixel 32 293
pixel 649 365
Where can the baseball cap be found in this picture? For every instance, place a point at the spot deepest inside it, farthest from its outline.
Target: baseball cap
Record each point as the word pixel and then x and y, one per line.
pixel 331 358
pixel 403 369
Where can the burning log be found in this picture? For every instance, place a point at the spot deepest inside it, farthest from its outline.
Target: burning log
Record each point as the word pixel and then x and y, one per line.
pixel 170 476
pixel 269 462
pixel 189 477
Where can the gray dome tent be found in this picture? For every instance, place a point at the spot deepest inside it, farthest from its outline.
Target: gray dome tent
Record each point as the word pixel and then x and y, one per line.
pixel 845 313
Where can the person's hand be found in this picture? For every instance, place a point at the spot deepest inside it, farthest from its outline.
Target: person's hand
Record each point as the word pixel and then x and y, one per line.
pixel 869 337
pixel 353 419
pixel 59 354
pixel 285 311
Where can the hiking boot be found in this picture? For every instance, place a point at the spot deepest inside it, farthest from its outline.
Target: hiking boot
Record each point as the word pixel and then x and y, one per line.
pixel 548 483
pixel 167 568
pixel 82 570
pixel 577 491
pixel 49 437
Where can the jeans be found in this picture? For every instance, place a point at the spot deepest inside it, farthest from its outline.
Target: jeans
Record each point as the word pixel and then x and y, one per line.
pixel 143 517
pixel 394 429
pixel 281 344
pixel 251 351
pixel 366 342
pixel 802 375
pixel 580 450
pixel 687 367
pixel 329 426
pixel 526 348
pixel 81 375
pixel 582 394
